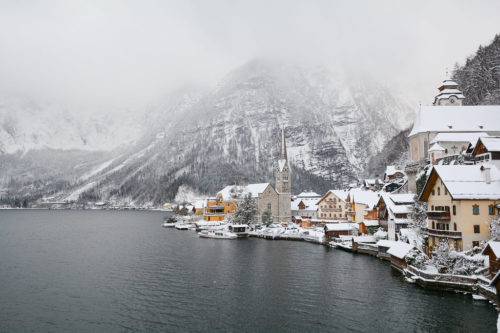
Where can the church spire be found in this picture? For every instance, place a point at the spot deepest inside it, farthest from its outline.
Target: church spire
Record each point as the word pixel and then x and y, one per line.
pixel 283 155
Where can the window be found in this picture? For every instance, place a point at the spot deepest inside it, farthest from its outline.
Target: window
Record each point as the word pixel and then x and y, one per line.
pixel 432 207
pixel 475 243
pixel 491 210
pixel 269 206
pixel 455 226
pixel 433 225
pixel 445 191
pixel 432 192
pixel 475 210
pixel 439 190
pixel 454 210
pixel 477 229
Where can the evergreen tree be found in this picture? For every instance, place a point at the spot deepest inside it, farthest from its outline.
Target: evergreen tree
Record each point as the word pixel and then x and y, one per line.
pixel 494 225
pixel 246 211
pixel 418 216
pixel 267 218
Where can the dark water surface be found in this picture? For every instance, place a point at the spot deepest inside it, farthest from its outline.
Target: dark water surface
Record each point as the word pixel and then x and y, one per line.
pixel 108 271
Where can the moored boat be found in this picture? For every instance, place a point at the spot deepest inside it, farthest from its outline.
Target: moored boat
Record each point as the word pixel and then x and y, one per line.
pixel 217 234
pixel 168 224
pixel 182 226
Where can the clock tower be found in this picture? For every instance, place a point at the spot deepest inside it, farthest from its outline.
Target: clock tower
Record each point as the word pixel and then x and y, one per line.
pixel 283 183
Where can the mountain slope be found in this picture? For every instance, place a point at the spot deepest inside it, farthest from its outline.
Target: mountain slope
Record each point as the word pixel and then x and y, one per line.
pixel 206 140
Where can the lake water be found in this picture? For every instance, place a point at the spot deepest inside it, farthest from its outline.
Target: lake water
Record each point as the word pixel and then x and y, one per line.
pixel 109 271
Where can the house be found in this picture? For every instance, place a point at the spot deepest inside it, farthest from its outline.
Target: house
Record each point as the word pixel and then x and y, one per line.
pixel 305 207
pixel 362 205
pixel 393 174
pixel 460 201
pixel 199 207
pixel 333 205
pixel 373 184
pixel 216 209
pixel 368 226
pixel 393 212
pixel 492 250
pixel 334 230
pixel 487 150
pixel 398 252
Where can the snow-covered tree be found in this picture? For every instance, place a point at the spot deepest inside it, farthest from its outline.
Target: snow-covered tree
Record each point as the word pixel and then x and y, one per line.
pixel 416 258
pixel 441 257
pixel 418 216
pixel 494 225
pixel 246 211
pixel 267 218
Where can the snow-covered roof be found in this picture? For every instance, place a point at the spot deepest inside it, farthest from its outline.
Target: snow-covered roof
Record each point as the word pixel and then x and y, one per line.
pixel 338 226
pixel 468 181
pixel 469 118
pixel 237 192
pixel 470 137
pixel 310 204
pixel 364 239
pixel 371 223
pixel 448 82
pixel 370 181
pixel 341 194
pixel 386 243
pixel 436 147
pixel 368 198
pixel 390 170
pixel 495 247
pixel 308 194
pixel 491 143
pixel 402 198
pixel 400 250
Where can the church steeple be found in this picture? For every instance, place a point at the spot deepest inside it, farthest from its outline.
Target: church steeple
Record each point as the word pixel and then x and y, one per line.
pixel 449 94
pixel 283 146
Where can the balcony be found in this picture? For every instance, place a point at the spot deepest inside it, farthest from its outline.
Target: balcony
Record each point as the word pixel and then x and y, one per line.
pixel 333 210
pixel 438 215
pixel 443 233
pixel 350 212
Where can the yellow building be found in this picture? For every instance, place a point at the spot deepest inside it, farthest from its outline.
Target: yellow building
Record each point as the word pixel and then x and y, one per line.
pixel 461 199
pixel 218 208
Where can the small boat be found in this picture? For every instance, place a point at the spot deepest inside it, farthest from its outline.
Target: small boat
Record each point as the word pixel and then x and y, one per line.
pixel 217 234
pixel 168 224
pixel 182 227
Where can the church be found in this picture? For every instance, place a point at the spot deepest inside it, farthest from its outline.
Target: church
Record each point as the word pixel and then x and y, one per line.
pixel 448 126
pixel 283 184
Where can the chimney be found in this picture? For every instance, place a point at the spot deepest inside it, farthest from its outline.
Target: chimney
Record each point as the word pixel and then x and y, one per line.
pixel 485 171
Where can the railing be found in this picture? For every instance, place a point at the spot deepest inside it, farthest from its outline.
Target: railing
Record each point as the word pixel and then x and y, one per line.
pixel 214 214
pixel 350 212
pixel 438 215
pixel 335 210
pixel 445 233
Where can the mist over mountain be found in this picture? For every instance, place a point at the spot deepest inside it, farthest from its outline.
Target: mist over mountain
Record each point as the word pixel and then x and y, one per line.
pixel 205 139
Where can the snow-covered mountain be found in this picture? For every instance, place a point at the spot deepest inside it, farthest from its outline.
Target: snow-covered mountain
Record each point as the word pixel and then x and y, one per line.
pixel 334 123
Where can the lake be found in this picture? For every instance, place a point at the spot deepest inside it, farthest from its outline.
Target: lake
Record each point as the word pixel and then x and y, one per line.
pixel 120 271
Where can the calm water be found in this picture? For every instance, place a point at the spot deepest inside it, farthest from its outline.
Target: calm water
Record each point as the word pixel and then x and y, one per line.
pixel 100 271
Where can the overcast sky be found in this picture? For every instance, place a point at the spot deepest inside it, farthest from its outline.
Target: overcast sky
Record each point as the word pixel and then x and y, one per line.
pixel 126 53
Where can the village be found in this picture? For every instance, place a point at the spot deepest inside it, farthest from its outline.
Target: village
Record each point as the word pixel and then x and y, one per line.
pixel 436 219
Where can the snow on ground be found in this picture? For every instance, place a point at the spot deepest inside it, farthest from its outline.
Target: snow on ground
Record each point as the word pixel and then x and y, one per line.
pixel 96 170
pixel 74 196
pixel 187 194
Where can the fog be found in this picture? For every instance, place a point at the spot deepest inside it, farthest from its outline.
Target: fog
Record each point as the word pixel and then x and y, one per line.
pixel 126 54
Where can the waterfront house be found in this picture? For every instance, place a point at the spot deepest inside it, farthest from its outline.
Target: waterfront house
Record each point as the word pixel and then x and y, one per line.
pixel 333 205
pixel 334 230
pixel 361 205
pixel 393 210
pixel 215 209
pixel 398 252
pixel 305 207
pixel 460 202
pixel 492 250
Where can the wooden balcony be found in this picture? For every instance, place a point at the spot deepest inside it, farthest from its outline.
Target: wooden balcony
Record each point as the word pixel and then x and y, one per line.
pixel 438 215
pixel 443 233
pixel 333 210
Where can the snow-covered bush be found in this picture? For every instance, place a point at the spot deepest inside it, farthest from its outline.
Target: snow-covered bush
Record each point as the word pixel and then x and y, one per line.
pixel 380 234
pixel 447 260
pixel 418 217
pixel 416 258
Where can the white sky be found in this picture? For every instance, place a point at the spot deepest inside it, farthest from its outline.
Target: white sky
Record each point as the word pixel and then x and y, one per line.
pixel 127 53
